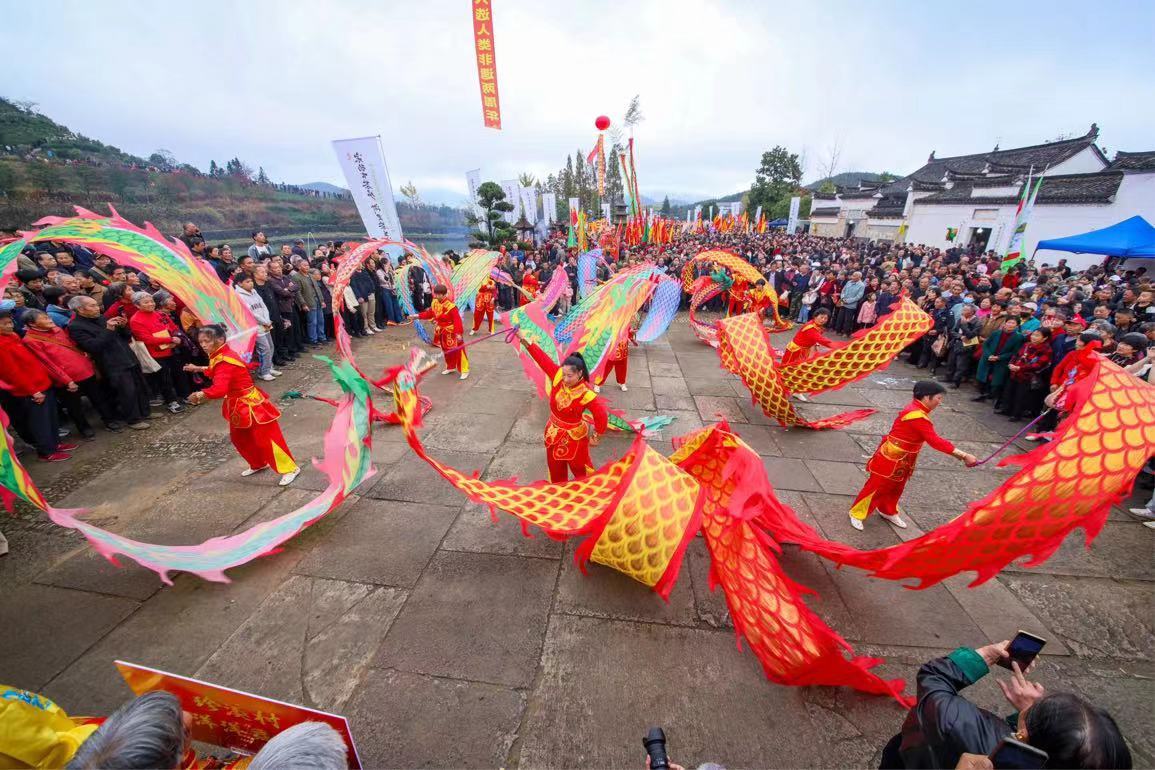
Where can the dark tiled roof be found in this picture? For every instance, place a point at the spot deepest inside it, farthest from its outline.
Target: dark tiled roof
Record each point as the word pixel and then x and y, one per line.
pixel 821 196
pixel 885 212
pixel 826 211
pixel 1020 158
pixel 859 194
pixel 1133 161
pixel 1067 188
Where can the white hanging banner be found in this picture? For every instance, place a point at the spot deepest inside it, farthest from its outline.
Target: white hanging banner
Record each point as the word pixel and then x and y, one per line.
pixel 688 215
pixel 792 222
pixel 758 215
pixel 736 209
pixel 606 213
pixel 473 181
pixel 697 212
pixel 529 204
pixel 510 186
pixel 549 203
pixel 363 164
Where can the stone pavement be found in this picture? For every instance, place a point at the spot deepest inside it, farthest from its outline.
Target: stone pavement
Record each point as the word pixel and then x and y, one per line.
pixel 453 641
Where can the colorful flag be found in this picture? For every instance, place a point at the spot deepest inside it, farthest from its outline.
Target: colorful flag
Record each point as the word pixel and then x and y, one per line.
pixel 486 54
pixel 951 233
pixel 1014 252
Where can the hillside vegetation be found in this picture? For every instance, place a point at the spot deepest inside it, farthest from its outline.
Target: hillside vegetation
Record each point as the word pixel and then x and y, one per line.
pixel 45 169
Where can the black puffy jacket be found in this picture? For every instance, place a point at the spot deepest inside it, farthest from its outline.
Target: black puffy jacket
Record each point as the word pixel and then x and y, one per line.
pixel 944 724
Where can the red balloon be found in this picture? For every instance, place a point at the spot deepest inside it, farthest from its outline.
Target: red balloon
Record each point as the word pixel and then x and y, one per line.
pixel 602 122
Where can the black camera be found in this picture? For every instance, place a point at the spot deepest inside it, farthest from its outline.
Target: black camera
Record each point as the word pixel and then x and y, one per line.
pixel 655 743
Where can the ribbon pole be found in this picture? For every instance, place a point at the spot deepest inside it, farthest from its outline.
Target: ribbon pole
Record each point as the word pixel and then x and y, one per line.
pixel 1009 441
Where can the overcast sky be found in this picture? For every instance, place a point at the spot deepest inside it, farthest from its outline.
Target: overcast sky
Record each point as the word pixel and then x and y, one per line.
pixel 720 81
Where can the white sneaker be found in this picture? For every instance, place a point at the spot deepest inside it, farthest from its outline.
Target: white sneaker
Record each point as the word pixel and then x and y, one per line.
pixel 597 388
pixel 896 520
pixel 447 371
pixel 276 372
pixel 856 523
pixel 623 387
pixel 464 376
pixel 472 332
pixel 1143 513
pixel 251 471
pixel 289 478
pixel 801 397
pixel 378 329
pixel 267 377
pixel 370 331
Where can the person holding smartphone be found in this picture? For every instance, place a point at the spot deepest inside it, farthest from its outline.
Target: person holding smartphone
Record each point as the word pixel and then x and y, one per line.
pixel 944 725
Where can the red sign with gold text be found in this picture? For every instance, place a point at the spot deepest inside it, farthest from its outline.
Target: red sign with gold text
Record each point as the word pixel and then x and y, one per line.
pixel 232 719
pixel 486 54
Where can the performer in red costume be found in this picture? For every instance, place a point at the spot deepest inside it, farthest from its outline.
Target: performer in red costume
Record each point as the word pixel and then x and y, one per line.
pixel 809 336
pixel 893 462
pixel 758 299
pixel 253 426
pixel 737 297
pixel 567 434
pixel 805 340
pixel 531 287
pixel 619 361
pixel 484 305
pixel 448 329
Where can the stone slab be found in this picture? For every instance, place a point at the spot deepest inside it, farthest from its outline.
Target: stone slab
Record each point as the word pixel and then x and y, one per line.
pixel 412 479
pixel 410 720
pixel 607 593
pixel 836 445
pixel 473 616
pixel 670 386
pixel 176 630
pixel 717 408
pixel 476 432
pixel 309 642
pixel 787 473
pixel 601 689
pixel 1096 618
pixel 475 530
pixel 47 628
pixel 383 542
pixel 837 478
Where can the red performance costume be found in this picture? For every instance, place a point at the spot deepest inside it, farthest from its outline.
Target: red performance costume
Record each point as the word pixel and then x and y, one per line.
pixel 798 349
pixel 893 462
pixel 619 360
pixel 758 302
pixel 531 286
pixel 447 332
pixel 737 297
pixel 567 441
pixel 253 426
pixel 485 303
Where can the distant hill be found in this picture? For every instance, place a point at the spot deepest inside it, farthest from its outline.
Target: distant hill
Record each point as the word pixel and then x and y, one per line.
pixel 847 179
pixel 325 187
pixel 46 168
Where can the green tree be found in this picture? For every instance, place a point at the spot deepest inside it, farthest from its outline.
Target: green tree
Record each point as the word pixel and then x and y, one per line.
pixel 410 192
pixel 214 169
pixel 828 187
pixel 493 231
pixel 665 210
pixel 778 176
pixel 527 180
pixel 262 177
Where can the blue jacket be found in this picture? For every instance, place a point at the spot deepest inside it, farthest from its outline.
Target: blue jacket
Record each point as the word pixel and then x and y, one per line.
pixel 61 316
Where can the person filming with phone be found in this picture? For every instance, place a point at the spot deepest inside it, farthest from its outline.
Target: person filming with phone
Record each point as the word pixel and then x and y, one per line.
pixel 1047 730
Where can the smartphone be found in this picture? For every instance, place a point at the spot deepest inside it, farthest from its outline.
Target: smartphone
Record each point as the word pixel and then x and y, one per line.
pixel 1011 754
pixel 1024 647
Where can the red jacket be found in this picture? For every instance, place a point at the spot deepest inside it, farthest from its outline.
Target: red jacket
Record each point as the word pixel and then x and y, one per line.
pixel 447 323
pixel 156 330
pixel 21 372
pixel 898 452
pixel 62 357
pixel 245 405
pixel 798 349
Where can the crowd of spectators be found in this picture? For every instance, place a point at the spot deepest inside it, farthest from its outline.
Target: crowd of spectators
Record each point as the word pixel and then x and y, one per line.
pixel 77 326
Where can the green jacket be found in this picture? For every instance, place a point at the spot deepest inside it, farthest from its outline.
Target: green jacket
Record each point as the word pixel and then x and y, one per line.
pixel 998 371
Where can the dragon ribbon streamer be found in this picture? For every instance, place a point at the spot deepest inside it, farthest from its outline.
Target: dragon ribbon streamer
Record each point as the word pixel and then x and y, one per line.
pixel 706 288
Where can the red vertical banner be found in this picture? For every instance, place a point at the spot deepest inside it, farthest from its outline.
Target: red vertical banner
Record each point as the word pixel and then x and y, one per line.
pixel 486 55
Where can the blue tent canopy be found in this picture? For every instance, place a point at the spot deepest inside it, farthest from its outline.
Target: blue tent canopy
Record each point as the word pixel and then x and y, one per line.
pixel 778 223
pixel 1134 237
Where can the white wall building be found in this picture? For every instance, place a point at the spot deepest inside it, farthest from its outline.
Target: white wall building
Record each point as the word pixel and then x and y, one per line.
pixel 977 195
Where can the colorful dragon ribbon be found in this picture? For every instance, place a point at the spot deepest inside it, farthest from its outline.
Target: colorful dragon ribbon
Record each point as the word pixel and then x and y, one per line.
pixel 347 464
pixel 703 291
pixel 867 351
pixel 1070 482
pixel 638 515
pixel 744 347
pixel 167 262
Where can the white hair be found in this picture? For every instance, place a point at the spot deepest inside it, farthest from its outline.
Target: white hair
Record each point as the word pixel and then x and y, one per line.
pixel 140 296
pixel 307 746
pixel 146 732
